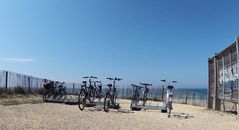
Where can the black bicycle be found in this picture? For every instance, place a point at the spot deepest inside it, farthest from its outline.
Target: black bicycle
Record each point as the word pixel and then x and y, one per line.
pixel 86 93
pixel 111 95
pixel 53 89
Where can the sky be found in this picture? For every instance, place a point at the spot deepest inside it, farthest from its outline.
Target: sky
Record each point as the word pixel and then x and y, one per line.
pixel 137 40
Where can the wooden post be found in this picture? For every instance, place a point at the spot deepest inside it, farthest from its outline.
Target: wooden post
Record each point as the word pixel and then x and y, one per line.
pixel 186 100
pixel 231 85
pixel 29 84
pixel 6 81
pixel 194 104
pixel 223 83
pixel 209 101
pixel 123 93
pixel 127 92
pixel 237 47
pixel 163 93
pixel 215 100
pixel 73 88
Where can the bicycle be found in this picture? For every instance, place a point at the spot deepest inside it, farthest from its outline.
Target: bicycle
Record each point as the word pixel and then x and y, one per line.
pixel 97 91
pixel 111 94
pixel 53 89
pixel 136 95
pixel 169 97
pixel 86 93
pixel 146 91
pixel 169 100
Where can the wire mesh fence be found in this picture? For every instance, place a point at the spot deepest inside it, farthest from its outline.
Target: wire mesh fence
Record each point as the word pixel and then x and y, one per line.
pixel 196 97
pixel 10 81
pixel 29 84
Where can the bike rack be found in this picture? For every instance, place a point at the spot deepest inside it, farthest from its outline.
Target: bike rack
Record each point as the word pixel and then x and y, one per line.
pixel 69 100
pixel 62 99
pixel 150 107
pixel 139 106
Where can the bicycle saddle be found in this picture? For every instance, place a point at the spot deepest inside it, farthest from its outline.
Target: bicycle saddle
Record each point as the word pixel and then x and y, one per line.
pixel 170 87
pixel 110 78
pixel 133 85
pixel 109 85
pixel 84 82
pixel 146 84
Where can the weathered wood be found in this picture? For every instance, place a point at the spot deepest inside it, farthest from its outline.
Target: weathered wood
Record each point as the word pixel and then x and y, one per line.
pixel 163 93
pixel 237 47
pixel 215 99
pixel 6 81
pixel 223 84
pixel 230 62
pixel 73 88
pixel 208 93
pixel 29 84
pixel 186 99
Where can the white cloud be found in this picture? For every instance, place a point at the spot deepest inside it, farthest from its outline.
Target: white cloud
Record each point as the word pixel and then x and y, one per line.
pixel 18 59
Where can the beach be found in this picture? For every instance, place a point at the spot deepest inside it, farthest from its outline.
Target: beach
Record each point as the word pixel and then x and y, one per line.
pixel 60 117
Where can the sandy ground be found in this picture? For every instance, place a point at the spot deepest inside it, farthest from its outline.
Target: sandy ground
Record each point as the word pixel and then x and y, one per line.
pixel 62 117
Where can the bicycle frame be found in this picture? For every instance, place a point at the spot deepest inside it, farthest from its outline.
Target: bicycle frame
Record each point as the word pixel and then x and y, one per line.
pixel 146 91
pixel 111 94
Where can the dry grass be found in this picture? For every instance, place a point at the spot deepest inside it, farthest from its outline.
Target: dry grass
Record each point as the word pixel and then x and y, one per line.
pixel 7 100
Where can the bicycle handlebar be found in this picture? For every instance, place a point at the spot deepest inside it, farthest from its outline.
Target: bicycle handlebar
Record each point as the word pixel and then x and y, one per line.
pixel 91 77
pixel 163 80
pixel 174 81
pixel 137 86
pixel 146 84
pixel 110 78
pixel 95 81
pixel 98 81
pixel 115 79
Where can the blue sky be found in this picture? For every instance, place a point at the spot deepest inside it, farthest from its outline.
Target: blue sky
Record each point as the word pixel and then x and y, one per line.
pixel 138 40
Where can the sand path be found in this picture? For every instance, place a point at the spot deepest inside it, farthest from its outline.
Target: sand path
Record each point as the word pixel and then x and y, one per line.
pixel 61 117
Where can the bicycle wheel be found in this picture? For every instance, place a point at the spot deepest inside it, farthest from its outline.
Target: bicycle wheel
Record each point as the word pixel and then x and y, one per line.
pixel 62 94
pixel 144 99
pixel 169 108
pixel 115 97
pixel 82 100
pixel 137 100
pixel 44 96
pixel 132 102
pixel 107 102
pixel 99 96
pixel 91 96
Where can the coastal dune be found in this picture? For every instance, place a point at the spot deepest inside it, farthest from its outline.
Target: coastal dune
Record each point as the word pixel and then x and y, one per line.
pixel 59 116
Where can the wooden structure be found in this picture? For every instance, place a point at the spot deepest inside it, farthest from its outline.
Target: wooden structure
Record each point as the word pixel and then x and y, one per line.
pixel 223 78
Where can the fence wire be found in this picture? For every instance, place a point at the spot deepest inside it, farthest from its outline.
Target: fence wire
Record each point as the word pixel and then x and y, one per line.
pixel 30 84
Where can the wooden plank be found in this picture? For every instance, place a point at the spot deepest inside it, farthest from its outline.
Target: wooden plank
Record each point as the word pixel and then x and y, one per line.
pixel 237 47
pixel 6 81
pixel 223 83
pixel 215 99
pixel 208 90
